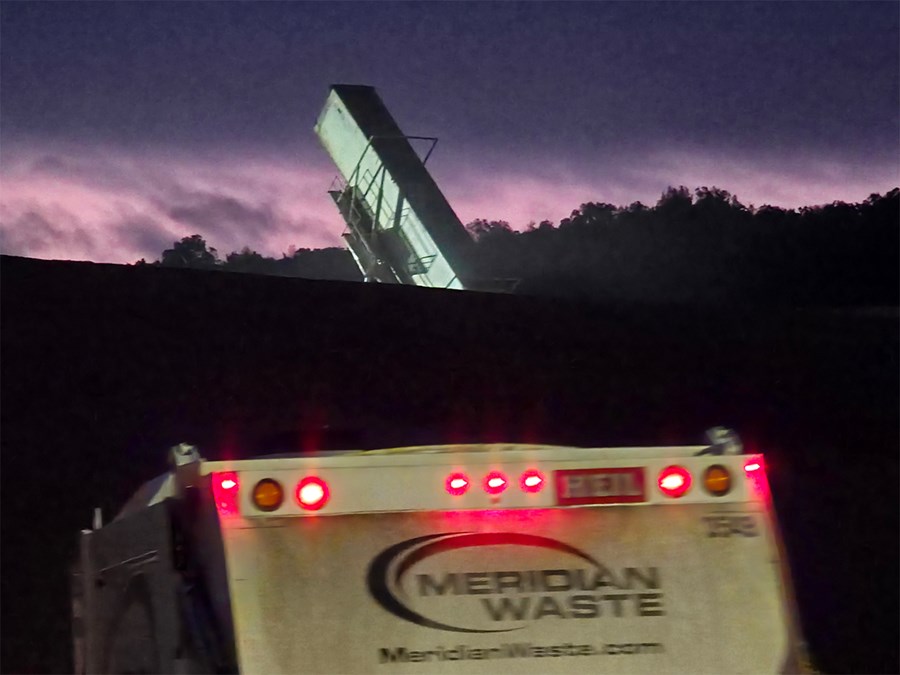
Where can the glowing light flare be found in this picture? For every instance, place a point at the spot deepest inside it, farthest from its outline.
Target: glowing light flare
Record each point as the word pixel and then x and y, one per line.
pixel 457 484
pixel 532 481
pixel 674 481
pixel 495 483
pixel 546 519
pixel 754 469
pixel 312 493
pixel 226 488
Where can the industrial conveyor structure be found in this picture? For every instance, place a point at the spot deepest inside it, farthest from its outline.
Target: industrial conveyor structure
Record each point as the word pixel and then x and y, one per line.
pixel 400 227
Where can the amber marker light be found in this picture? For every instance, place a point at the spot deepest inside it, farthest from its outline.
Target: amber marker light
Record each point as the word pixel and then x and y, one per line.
pixel 268 494
pixel 717 480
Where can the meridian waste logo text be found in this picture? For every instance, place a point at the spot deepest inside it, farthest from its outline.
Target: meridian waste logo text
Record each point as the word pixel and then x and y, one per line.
pixel 505 600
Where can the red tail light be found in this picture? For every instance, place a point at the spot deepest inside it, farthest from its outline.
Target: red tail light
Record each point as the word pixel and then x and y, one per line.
pixel 755 471
pixel 226 489
pixel 457 484
pixel 312 493
pixel 532 481
pixel 495 483
pixel 674 481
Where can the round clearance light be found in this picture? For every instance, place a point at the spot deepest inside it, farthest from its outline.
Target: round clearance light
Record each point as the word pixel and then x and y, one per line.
pixel 674 481
pixel 717 480
pixel 532 481
pixel 312 493
pixel 267 495
pixel 457 484
pixel 495 483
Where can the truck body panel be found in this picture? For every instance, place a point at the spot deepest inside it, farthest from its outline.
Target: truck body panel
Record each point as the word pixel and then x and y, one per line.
pixel 617 589
pixel 617 560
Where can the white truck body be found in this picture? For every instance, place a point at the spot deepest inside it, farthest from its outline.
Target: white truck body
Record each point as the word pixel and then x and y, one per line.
pixel 596 570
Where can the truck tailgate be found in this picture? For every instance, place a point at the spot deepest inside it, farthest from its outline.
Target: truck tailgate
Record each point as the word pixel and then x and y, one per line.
pixel 669 587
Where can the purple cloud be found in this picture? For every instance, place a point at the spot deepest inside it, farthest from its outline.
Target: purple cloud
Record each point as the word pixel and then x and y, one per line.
pixel 34 231
pixel 116 205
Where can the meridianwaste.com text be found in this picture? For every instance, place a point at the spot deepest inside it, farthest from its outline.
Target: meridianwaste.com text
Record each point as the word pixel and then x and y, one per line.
pixel 514 650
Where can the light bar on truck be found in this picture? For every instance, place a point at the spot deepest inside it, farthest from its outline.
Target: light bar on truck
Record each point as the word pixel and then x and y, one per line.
pixel 443 481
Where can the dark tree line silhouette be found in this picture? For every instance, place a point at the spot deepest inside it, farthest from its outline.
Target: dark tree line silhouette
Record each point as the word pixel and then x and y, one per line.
pixel 706 246
pixel 325 263
pixel 692 246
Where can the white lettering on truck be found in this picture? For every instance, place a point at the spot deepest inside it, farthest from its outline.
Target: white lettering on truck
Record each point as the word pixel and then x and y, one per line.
pixel 612 601
pixel 587 592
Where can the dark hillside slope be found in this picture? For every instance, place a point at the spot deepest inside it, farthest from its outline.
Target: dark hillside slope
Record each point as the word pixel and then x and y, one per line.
pixel 103 367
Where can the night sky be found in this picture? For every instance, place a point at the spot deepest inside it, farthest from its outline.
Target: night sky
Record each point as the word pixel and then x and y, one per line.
pixel 125 126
